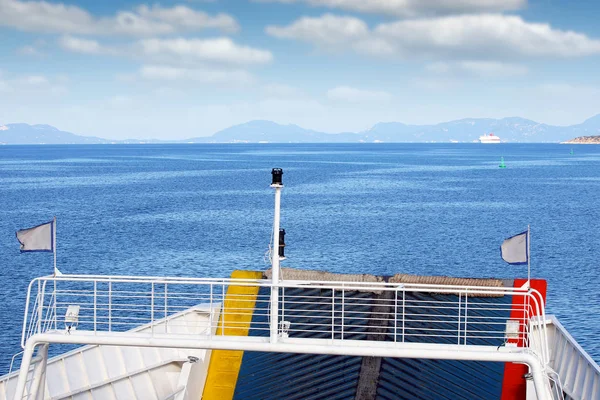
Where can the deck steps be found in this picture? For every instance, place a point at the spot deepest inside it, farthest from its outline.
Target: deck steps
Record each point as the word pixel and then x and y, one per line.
pixel 120 372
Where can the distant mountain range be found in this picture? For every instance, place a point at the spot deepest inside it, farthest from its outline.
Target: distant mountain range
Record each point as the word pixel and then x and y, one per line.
pixel 512 129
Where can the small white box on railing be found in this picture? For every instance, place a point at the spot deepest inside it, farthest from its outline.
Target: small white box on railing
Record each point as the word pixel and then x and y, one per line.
pixel 512 329
pixel 284 328
pixel 72 318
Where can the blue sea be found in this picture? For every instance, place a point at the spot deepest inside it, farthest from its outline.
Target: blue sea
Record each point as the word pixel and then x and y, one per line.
pixel 205 210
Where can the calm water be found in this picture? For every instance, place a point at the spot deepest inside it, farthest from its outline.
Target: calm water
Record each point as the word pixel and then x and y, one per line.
pixel 204 210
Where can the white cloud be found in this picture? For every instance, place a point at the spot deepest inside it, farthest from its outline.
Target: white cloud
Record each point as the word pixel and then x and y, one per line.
pixel 491 68
pixel 435 84
pixel 198 75
pixel 219 50
pixel 34 80
pixel 278 90
pixel 34 49
pixel 37 85
pixel 488 34
pixel 567 89
pixel 439 67
pixel 326 30
pixel 28 51
pixel 484 36
pixel 85 46
pixel 40 16
pixel 374 46
pixel 120 101
pixel 414 7
pixel 4 87
pixel 185 17
pixel 354 95
pixel 485 69
pixel 165 92
pixel 45 17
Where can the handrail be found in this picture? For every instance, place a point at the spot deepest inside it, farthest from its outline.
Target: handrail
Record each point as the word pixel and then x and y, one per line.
pixel 12 360
pixel 283 282
pixel 118 303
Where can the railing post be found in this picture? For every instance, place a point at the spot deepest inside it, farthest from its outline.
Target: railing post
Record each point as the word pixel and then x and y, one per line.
pixel 109 305
pixel 332 313
pixel 282 305
pixel 152 309
pixel 26 327
pixel 395 315
pixel 527 314
pixel 223 309
pixel 466 313
pixel 166 309
pixel 55 300
pixel 274 329
pixel 40 306
pixel 212 312
pixel 403 312
pixel 12 361
pixel 95 305
pixel 458 331
pixel 24 370
pixel 343 309
pixel 38 383
pixel 32 323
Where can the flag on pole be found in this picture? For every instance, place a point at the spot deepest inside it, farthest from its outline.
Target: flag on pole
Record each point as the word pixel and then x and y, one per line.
pixel 515 249
pixel 39 238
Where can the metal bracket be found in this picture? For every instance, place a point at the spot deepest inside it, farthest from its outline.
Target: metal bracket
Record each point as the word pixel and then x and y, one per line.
pixel 284 328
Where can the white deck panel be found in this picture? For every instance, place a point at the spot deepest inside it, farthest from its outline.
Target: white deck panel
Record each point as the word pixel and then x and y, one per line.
pixel 579 374
pixel 121 372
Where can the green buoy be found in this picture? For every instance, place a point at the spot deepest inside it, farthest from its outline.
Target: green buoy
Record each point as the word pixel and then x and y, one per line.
pixel 571 151
pixel 502 165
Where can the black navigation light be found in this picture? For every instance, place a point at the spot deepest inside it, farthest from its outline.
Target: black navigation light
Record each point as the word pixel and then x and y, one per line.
pixel 282 243
pixel 277 175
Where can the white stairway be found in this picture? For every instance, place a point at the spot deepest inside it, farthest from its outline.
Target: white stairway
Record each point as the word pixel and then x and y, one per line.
pixel 121 372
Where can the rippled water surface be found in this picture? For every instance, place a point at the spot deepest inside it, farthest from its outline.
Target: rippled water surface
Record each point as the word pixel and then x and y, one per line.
pixel 204 210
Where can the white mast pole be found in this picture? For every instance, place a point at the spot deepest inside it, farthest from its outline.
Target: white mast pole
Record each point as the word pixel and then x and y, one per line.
pixel 528 257
pixel 56 273
pixel 277 185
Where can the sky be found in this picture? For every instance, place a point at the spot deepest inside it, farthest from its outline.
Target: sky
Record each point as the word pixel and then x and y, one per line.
pixel 189 68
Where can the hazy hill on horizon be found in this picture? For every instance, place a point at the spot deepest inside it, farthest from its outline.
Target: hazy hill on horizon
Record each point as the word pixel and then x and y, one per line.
pixel 511 129
pixel 42 134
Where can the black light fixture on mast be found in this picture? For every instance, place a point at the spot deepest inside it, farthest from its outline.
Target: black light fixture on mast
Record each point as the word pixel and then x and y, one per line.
pixel 282 243
pixel 277 177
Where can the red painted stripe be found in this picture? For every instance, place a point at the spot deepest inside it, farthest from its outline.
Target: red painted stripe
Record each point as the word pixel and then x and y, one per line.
pixel 514 386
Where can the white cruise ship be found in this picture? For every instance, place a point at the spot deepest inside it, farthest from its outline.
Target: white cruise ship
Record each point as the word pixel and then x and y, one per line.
pixel 491 138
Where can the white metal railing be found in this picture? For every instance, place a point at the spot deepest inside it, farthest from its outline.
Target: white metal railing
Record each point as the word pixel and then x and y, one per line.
pixel 579 374
pixel 462 315
pixel 12 361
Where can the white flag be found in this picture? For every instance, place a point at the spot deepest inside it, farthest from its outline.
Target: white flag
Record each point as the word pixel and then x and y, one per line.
pixel 514 250
pixel 38 238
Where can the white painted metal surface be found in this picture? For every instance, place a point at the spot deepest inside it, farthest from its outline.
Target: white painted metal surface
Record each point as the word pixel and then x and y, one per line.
pixel 311 346
pixel 126 372
pixel 109 306
pixel 275 264
pixel 578 374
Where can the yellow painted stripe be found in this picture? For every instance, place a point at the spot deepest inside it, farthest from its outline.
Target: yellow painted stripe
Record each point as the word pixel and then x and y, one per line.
pixel 225 365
